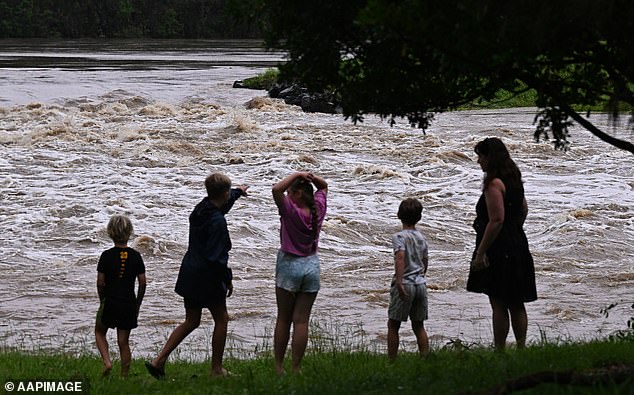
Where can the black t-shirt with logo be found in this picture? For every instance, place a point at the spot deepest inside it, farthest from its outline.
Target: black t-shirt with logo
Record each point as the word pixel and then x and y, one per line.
pixel 121 267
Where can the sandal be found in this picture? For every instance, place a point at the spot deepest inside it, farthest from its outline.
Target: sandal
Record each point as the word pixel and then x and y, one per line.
pixel 154 371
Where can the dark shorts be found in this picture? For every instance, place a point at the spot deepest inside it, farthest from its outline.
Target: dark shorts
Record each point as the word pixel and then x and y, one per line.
pixel 195 304
pixel 117 314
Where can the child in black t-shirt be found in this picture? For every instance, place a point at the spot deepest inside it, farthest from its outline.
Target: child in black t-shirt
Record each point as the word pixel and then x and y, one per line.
pixel 118 269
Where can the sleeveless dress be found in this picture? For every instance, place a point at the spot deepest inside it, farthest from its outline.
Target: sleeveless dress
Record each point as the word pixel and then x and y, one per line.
pixel 511 272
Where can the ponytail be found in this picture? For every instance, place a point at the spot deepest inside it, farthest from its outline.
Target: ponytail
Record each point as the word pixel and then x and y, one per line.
pixel 310 201
pixel 306 187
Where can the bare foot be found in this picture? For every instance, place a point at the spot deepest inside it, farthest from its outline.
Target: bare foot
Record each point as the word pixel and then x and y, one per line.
pixel 222 372
pixel 105 372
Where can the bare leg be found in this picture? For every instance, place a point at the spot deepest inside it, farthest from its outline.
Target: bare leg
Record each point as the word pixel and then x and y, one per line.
pixel 102 345
pixel 192 321
pixel 123 339
pixel 421 337
pixel 392 338
pixel 219 338
pixel 301 316
pixel 519 322
pixel 285 305
pixel 500 322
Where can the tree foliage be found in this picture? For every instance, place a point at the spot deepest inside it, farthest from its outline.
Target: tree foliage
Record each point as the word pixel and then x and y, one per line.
pixel 119 19
pixel 415 58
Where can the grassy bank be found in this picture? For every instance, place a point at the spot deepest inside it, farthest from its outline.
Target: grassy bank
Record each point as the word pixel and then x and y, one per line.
pixel 502 99
pixel 446 371
pixel 263 80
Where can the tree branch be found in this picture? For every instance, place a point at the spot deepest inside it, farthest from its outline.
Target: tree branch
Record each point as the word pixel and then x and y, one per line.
pixel 622 144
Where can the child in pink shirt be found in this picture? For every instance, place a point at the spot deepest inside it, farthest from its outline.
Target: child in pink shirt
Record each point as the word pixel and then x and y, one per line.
pixel 302 213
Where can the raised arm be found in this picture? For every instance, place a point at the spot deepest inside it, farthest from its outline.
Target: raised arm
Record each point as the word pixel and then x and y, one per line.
pixel 319 182
pixel 234 194
pixel 281 186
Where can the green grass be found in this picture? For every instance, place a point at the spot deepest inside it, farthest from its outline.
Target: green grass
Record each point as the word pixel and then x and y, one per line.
pixel 445 371
pixel 263 80
pixel 503 98
pixel 506 99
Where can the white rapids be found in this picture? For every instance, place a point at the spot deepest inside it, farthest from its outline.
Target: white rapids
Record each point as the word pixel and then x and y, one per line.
pixel 80 144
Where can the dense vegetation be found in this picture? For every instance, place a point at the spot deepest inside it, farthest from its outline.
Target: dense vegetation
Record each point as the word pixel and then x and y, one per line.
pixel 415 58
pixel 584 368
pixel 262 81
pixel 120 19
pixel 407 59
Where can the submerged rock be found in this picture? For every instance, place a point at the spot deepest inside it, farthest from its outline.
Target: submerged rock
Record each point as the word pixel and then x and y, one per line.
pixel 297 95
pixel 308 101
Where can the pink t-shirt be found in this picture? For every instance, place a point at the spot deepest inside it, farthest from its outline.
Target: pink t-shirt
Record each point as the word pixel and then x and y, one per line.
pixel 296 230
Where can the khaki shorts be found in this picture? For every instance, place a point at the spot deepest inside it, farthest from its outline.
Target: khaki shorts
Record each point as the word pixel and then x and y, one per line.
pixel 415 307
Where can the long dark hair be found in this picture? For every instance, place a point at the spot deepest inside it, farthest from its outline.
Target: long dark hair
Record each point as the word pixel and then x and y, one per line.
pixel 499 163
pixel 306 188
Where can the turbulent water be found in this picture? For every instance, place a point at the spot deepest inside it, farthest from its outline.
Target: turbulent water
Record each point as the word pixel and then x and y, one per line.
pixel 88 130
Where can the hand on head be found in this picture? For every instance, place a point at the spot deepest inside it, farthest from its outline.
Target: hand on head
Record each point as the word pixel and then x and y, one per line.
pixel 305 175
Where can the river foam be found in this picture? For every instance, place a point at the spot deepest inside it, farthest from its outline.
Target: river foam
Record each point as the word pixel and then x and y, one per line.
pixel 67 164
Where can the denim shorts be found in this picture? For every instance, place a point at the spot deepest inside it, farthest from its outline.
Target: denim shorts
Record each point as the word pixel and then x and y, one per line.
pixel 415 306
pixel 297 273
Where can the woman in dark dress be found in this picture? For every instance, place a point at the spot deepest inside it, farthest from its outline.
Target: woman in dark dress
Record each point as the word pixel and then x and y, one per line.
pixel 502 265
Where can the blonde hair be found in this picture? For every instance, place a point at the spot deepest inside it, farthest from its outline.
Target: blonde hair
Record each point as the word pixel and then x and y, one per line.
pixel 217 184
pixel 120 229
